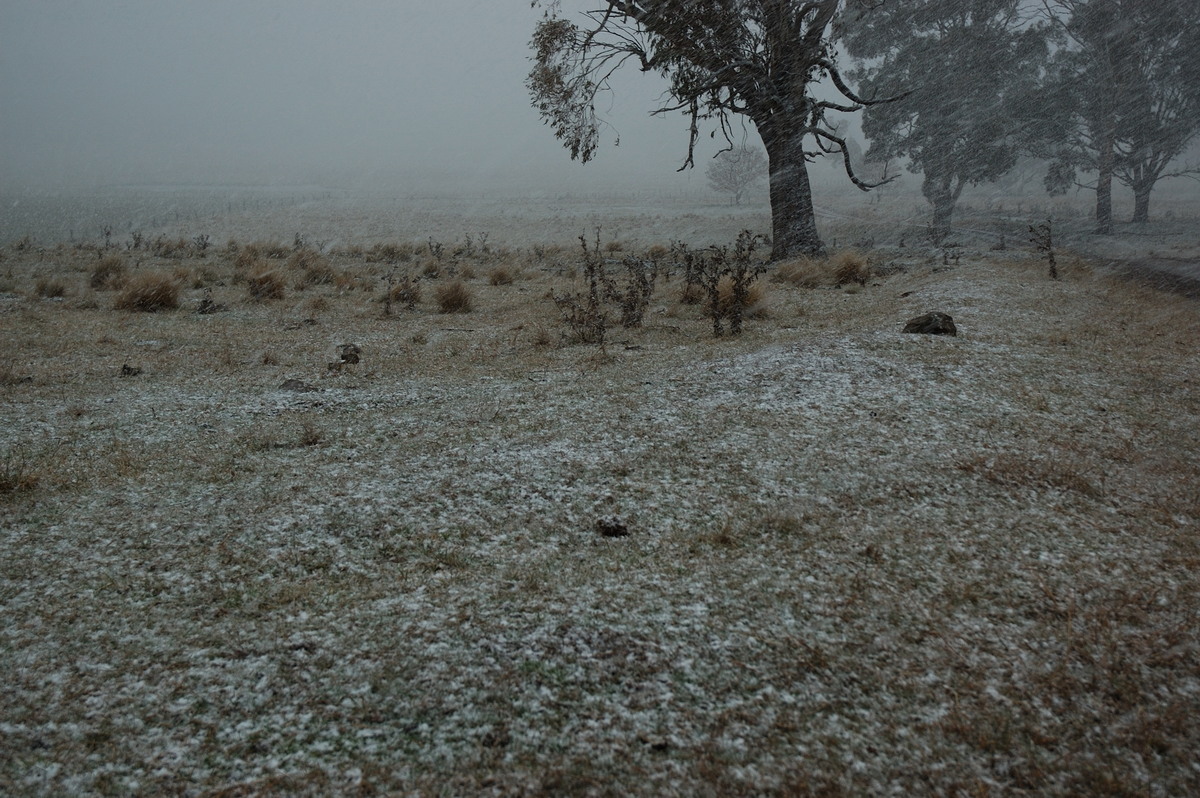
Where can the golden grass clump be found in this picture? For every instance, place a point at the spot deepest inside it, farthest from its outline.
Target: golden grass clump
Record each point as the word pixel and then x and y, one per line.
pixel 108 273
pixel 265 286
pixel 50 288
pixel 850 266
pixel 407 292
pixel 755 293
pixel 149 292
pixel 501 275
pixel 314 269
pixel 454 297
pixel 843 268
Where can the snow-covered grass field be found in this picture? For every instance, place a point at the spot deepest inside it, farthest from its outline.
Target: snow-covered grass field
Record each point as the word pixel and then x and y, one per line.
pixel 858 562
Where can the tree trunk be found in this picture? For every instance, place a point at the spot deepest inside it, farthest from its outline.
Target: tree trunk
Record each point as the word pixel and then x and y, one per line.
pixel 941 196
pixel 1106 161
pixel 793 219
pixel 1141 202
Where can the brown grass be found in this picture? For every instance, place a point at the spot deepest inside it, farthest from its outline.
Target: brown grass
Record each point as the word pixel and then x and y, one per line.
pixel 149 293
pixel 266 286
pixel 50 288
pixel 842 268
pixel 755 294
pixel 108 273
pixel 454 297
pixel 501 275
pixel 407 292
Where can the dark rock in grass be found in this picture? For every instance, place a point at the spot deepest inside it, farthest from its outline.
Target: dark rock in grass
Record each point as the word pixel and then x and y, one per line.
pixel 932 324
pixel 612 527
pixel 296 385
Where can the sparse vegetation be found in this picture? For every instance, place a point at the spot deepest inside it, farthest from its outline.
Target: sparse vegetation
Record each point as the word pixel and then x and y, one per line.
pixel 963 564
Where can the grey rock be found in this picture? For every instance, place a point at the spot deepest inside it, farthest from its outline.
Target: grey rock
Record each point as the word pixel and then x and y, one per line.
pixel 932 324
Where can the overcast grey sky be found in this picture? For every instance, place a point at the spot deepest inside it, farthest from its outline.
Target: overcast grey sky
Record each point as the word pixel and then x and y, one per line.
pixel 338 92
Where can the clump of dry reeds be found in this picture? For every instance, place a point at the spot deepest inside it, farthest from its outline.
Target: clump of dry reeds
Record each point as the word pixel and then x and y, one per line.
pixel 108 273
pixel 454 297
pixel 265 286
pixel 149 293
pixel 842 268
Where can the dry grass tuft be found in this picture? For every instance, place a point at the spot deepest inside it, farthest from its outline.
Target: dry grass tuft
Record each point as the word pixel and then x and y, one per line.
pixel 18 473
pixel 849 267
pixel 501 275
pixel 266 286
pixel 1022 471
pixel 454 297
pixel 844 268
pixel 108 274
pixel 50 288
pixel 149 293
pixel 407 292
pixel 755 293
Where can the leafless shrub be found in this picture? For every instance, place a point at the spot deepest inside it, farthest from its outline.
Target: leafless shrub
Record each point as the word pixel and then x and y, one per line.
pixel 149 293
pixel 454 297
pixel 108 273
pixel 692 264
pixel 584 314
pixel 634 296
pixel 737 269
pixel 1042 238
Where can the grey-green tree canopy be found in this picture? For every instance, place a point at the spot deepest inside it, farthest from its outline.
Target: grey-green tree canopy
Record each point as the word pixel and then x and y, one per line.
pixel 756 58
pixel 971 71
pixel 1125 86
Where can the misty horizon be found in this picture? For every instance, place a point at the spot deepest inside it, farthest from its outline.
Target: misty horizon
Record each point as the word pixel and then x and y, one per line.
pixel 359 95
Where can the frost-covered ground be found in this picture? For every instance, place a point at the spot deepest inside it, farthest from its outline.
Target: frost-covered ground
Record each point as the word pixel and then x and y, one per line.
pixel 857 562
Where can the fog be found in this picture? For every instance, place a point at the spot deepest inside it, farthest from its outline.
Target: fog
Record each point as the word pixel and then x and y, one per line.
pixel 352 94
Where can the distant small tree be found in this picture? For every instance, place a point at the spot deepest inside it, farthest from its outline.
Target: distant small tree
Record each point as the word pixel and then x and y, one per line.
pixel 734 172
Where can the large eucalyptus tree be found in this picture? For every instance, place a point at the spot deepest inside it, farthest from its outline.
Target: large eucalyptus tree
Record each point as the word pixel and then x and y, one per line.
pixel 756 58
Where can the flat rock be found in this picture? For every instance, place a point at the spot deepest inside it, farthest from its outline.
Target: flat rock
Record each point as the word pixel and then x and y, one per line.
pixel 932 324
